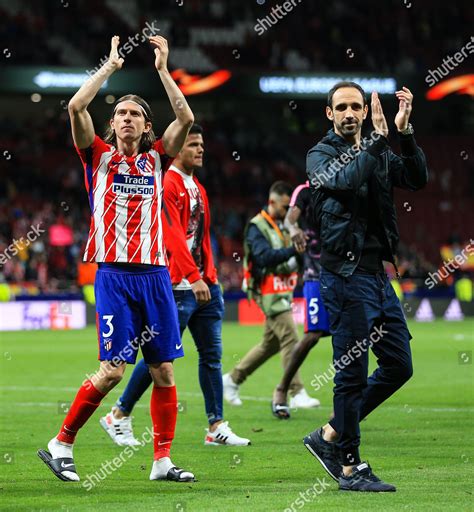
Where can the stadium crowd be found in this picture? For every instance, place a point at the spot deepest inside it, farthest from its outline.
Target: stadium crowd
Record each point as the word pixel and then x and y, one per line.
pixel 374 40
pixel 43 185
pixel 43 182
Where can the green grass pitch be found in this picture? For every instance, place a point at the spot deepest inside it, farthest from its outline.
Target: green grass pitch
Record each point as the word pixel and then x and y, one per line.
pixel 421 439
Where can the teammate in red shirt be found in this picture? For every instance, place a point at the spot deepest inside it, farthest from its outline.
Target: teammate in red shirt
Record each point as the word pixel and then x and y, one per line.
pixel 134 298
pixel 186 224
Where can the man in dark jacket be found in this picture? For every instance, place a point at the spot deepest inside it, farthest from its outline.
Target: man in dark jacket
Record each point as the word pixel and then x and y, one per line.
pixel 352 182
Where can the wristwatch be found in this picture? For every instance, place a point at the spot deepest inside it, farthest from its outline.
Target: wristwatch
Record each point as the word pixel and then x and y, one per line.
pixel 408 130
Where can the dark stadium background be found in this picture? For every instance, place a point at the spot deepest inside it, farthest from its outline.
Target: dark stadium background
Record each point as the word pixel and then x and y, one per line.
pixel 252 139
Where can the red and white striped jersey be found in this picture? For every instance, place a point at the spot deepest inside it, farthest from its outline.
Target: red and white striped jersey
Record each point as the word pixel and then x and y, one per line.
pixel 125 200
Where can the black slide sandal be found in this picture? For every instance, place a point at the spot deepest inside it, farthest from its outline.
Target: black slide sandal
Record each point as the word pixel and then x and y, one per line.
pixel 59 465
pixel 175 475
pixel 281 411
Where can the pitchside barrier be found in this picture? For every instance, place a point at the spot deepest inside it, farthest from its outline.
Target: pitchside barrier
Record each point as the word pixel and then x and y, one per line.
pixel 421 310
pixel 42 314
pixel 76 314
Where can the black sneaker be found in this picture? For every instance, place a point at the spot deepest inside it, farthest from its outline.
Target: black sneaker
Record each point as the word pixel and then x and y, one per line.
pixel 325 452
pixel 362 479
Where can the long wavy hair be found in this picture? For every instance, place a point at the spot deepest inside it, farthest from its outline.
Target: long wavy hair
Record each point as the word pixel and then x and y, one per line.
pixel 148 139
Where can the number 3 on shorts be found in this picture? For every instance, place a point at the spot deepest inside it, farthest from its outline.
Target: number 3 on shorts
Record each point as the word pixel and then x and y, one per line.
pixel 108 321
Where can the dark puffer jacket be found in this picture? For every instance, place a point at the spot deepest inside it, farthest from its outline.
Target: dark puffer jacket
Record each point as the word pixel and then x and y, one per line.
pixel 339 179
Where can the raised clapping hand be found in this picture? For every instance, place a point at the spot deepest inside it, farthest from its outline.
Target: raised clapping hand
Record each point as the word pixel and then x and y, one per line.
pixel 161 52
pixel 405 98
pixel 114 60
pixel 378 118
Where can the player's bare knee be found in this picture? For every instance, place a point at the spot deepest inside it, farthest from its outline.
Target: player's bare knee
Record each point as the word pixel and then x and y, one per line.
pixel 110 374
pixel 114 377
pixel 163 374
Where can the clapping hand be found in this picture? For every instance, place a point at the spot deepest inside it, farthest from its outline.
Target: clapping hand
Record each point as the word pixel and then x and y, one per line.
pixel 405 98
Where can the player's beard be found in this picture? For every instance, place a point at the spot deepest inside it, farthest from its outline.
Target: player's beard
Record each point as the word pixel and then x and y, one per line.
pixel 347 131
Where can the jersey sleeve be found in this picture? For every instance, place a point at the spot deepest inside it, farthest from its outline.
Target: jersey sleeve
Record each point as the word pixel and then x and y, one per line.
pixel 91 155
pixel 166 160
pixel 90 158
pixel 300 197
pixel 174 233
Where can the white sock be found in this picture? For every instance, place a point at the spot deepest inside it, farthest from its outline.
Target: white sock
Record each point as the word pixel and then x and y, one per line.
pixel 160 468
pixel 58 449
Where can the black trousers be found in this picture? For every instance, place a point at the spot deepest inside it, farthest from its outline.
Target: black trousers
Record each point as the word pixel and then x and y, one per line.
pixel 365 314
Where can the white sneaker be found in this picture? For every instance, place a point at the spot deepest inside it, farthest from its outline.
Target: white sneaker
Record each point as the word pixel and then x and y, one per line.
pixel 231 390
pixel 303 401
pixel 224 435
pixel 120 430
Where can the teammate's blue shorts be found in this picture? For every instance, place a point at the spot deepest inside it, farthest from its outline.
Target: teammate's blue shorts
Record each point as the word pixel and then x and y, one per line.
pixel 316 317
pixel 136 309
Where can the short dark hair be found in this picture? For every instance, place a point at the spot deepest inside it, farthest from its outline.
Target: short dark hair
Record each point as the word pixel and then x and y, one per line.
pixel 196 128
pixel 281 188
pixel 345 83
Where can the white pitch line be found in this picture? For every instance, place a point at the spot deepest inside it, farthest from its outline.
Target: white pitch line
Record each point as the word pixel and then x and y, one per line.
pixel 199 395
pixel 69 389
pixel 324 407
pixel 36 388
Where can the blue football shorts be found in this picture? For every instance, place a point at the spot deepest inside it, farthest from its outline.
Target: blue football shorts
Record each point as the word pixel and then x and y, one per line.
pixel 316 317
pixel 135 309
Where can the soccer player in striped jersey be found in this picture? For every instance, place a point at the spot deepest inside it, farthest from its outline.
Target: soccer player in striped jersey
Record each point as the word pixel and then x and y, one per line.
pixel 134 298
pixel 187 230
